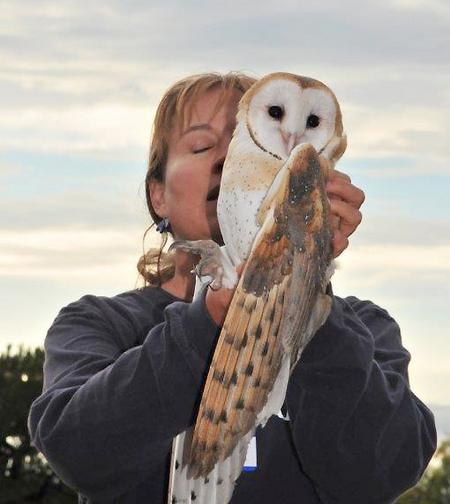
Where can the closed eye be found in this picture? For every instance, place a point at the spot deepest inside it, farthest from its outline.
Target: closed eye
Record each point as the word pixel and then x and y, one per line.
pixel 202 149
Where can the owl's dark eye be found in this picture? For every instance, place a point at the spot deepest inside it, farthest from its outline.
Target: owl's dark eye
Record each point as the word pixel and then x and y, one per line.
pixel 312 121
pixel 276 112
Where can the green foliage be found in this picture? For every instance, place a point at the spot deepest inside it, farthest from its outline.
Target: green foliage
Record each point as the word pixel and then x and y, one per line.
pixel 25 475
pixel 434 487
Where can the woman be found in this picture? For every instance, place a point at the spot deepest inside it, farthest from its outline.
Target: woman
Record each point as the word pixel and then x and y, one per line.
pixel 123 375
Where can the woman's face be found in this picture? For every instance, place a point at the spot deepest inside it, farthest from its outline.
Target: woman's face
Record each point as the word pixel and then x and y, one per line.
pixel 197 150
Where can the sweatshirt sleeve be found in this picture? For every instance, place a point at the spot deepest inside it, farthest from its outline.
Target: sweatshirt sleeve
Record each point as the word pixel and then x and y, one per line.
pixel 360 433
pixel 106 417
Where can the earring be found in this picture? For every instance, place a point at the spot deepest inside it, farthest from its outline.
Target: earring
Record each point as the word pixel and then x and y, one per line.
pixel 163 225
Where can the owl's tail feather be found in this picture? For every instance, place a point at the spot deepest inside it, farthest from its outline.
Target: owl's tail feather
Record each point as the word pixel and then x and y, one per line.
pixel 217 487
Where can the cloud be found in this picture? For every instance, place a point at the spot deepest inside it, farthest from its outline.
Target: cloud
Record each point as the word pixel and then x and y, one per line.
pixel 57 191
pixel 437 7
pixel 71 210
pixel 396 167
pixel 414 132
pixel 139 33
pixel 399 232
pixel 71 253
pixel 92 88
pixel 11 169
pixel 378 263
pixel 100 129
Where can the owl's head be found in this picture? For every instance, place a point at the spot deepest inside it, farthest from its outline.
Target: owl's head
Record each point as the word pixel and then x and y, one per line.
pixel 283 110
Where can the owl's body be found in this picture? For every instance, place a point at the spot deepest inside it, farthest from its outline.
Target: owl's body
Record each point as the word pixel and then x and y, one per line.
pixel 273 213
pixel 242 190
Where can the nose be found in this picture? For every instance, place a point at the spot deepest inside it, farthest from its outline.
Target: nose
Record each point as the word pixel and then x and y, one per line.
pixel 218 165
pixel 222 150
pixel 289 139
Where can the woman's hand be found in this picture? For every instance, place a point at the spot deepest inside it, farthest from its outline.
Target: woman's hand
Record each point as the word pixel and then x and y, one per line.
pixel 345 202
pixel 217 303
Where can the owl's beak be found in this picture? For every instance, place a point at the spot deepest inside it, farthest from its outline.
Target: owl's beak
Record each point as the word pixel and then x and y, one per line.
pixel 290 141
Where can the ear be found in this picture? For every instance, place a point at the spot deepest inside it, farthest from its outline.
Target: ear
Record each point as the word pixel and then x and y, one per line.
pixel 157 190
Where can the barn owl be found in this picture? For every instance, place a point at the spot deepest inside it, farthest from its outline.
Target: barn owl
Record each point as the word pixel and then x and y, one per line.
pixel 274 216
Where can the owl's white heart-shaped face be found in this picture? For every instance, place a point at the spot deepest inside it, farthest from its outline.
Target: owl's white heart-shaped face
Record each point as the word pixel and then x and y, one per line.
pixel 283 113
pixel 279 112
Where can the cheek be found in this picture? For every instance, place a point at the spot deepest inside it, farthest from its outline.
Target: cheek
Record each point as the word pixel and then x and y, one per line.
pixel 178 180
pixel 186 187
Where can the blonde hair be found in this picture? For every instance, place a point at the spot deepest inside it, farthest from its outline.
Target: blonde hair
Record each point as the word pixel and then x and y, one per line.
pixel 156 266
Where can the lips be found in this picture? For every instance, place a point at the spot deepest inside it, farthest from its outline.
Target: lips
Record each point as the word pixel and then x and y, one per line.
pixel 213 194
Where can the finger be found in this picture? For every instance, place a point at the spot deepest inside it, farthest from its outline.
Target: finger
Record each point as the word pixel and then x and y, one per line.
pixel 335 221
pixel 350 216
pixel 338 174
pixel 340 243
pixel 217 302
pixel 348 192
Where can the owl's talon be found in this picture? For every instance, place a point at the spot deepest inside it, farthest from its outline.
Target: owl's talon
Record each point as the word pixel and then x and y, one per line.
pixel 212 261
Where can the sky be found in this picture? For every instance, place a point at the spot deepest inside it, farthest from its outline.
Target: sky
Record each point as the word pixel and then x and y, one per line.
pixel 79 84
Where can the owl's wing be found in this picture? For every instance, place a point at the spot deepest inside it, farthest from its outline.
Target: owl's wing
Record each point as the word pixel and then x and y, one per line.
pixel 279 293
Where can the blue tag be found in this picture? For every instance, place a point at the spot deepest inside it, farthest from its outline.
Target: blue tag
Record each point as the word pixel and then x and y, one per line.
pixel 250 463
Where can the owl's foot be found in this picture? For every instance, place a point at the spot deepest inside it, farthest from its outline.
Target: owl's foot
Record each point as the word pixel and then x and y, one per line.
pixel 213 262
